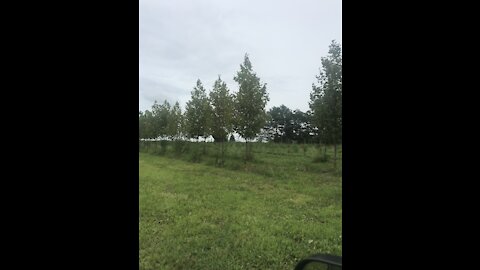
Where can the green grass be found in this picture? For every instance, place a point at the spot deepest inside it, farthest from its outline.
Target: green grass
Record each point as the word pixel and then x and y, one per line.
pixel 278 160
pixel 266 215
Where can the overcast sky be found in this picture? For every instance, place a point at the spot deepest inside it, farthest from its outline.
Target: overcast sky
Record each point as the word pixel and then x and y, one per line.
pixel 185 40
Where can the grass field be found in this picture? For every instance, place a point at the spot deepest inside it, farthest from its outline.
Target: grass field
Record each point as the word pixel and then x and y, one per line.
pixel 269 214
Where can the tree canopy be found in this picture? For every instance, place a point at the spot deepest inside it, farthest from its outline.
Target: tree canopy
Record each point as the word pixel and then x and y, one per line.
pixel 198 113
pixel 250 101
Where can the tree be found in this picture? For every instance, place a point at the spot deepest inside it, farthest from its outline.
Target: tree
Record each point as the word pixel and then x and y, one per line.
pixel 174 124
pixel 146 122
pixel 141 125
pixel 250 103
pixel 280 121
pixel 222 113
pixel 160 115
pixel 269 130
pixel 326 98
pixel 198 113
pixel 299 126
pixel 311 128
pixel 148 125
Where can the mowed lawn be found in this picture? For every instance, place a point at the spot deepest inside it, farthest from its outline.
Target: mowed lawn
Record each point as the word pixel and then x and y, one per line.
pixel 196 216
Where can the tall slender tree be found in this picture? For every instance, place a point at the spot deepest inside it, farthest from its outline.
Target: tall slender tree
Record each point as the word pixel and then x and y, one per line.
pixel 174 124
pixel 326 98
pixel 198 113
pixel 249 103
pixel 141 125
pixel 222 113
pixel 160 114
pixel 145 124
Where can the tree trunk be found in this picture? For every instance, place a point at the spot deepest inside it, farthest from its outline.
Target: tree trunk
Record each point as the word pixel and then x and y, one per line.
pixel 246 150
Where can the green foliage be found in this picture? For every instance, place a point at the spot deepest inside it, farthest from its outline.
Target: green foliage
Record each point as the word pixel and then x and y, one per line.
pixel 198 113
pixel 222 109
pixel 141 125
pixel 146 125
pixel 175 122
pixel 280 118
pixel 285 125
pixel 244 111
pixel 326 98
pixel 161 114
pixel 250 102
pixel 163 120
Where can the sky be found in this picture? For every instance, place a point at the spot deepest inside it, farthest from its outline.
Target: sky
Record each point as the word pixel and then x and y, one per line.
pixel 185 40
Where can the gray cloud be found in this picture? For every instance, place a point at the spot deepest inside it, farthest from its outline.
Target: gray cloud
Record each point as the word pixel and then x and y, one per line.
pixel 181 41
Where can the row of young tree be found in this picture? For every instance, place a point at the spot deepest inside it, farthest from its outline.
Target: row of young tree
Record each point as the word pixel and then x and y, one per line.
pixel 222 113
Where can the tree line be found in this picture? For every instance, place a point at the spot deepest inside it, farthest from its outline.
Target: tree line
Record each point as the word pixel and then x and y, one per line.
pixel 221 113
